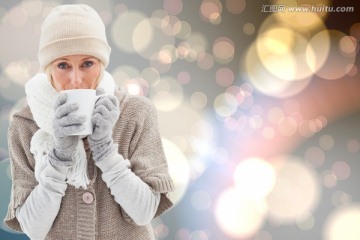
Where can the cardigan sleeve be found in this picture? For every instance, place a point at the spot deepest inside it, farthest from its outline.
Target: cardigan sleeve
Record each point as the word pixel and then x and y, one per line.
pixel 22 168
pixel 146 154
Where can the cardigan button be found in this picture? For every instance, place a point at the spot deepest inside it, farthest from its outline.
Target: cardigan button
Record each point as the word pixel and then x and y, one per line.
pixel 88 197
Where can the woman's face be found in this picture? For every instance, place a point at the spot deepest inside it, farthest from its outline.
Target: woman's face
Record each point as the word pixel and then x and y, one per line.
pixel 75 72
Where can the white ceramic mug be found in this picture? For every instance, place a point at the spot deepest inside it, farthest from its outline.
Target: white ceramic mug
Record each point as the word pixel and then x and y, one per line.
pixel 86 99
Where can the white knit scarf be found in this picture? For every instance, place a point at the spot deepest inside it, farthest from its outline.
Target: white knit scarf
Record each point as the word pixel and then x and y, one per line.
pixel 41 97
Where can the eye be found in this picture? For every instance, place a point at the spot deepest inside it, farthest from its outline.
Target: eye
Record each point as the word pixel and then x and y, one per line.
pixel 88 64
pixel 62 65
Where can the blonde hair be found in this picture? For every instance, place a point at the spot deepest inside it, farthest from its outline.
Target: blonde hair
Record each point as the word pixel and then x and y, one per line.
pixel 101 75
pixel 48 74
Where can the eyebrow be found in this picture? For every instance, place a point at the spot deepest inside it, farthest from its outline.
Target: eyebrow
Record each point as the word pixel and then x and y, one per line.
pixel 66 59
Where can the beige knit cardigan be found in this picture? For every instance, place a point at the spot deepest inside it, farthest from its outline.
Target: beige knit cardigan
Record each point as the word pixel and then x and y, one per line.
pixel 137 135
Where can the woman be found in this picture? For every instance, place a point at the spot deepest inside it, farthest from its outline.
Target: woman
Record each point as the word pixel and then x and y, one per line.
pixel 108 185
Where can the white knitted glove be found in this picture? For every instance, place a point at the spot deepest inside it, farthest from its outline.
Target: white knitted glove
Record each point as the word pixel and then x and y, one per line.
pixel 65 123
pixel 105 116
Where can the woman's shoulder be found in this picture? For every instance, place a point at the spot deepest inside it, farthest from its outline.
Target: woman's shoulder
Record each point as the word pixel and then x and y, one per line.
pixel 135 105
pixel 22 120
pixel 22 126
pixel 24 114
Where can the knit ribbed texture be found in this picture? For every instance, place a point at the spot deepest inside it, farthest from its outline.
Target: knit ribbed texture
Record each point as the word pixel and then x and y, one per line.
pixel 137 136
pixel 73 29
pixel 86 217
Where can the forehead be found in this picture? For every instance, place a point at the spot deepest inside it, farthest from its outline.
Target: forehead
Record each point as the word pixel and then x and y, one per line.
pixel 75 58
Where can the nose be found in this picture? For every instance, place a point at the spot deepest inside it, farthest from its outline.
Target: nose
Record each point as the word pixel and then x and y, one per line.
pixel 76 77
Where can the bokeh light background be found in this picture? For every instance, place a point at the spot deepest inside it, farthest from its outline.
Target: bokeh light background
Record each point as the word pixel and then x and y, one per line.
pixel 258 107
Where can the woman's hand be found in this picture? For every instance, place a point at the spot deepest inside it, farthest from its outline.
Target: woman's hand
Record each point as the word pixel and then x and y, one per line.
pixel 66 123
pixel 105 116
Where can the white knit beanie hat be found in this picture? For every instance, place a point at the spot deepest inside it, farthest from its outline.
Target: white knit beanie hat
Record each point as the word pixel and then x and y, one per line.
pixel 73 29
